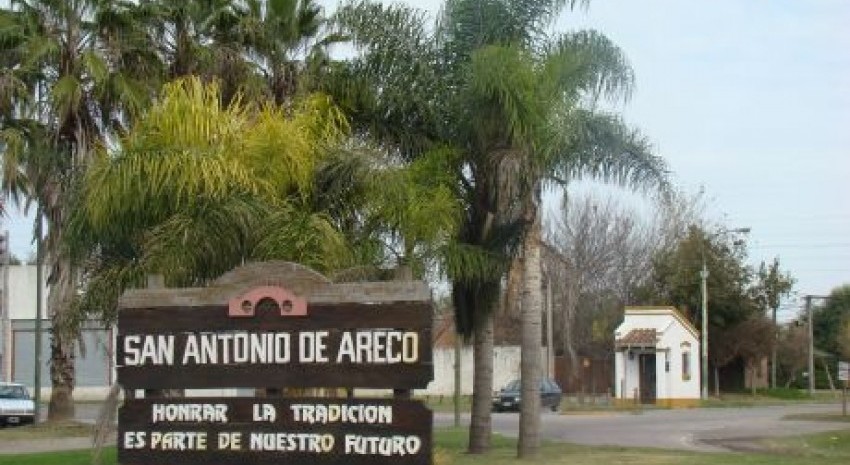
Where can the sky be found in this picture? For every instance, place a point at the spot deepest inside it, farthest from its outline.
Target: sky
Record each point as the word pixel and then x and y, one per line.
pixel 750 101
pixel 746 100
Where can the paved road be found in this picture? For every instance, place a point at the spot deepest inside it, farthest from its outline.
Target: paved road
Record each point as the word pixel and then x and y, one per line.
pixel 708 430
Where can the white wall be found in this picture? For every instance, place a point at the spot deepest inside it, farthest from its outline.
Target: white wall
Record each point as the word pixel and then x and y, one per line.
pixel 677 387
pixel 627 375
pixel 505 369
pixel 22 290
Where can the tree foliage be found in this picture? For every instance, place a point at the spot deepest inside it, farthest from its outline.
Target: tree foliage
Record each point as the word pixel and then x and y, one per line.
pixel 675 279
pixel 830 321
pixel 198 187
pixel 738 297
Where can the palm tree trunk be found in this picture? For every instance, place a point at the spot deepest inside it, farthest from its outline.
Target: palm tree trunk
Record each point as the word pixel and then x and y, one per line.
pixel 62 343
pixel 529 418
pixel 480 426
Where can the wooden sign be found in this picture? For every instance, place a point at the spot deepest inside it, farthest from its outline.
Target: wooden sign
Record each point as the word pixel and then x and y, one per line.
pixel 274 325
pixel 844 371
pixel 289 328
pixel 333 345
pixel 270 431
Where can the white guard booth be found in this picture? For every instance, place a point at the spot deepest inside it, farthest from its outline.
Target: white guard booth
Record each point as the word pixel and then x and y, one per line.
pixel 657 358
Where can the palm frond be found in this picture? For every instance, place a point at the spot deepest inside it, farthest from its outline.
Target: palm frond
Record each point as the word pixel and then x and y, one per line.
pixel 200 243
pixel 601 146
pixel 588 63
pixel 502 87
pixel 389 88
pixel 303 237
pixel 465 25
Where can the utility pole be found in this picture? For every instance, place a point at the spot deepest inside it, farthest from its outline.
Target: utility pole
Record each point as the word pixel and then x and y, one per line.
pixel 5 319
pixel 457 368
pixel 810 317
pixel 774 350
pixel 811 345
pixel 703 274
pixel 38 313
pixel 550 348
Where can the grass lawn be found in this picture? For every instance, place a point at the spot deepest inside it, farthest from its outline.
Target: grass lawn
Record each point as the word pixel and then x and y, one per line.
pixel 46 430
pixel 819 417
pixel 820 449
pixel 446 404
pixel 59 458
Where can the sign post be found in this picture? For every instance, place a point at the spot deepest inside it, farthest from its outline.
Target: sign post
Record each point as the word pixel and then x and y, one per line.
pixel 270 327
pixel 844 375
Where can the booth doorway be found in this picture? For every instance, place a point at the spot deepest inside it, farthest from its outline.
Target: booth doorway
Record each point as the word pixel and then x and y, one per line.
pixel 647 378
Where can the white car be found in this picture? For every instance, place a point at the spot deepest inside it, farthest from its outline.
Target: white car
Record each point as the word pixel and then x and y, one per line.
pixel 16 406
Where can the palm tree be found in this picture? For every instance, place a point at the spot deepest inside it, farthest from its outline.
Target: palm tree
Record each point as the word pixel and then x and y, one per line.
pixel 197 187
pixel 401 92
pixel 286 37
pixel 72 78
pixel 519 106
pixel 259 49
pixel 533 93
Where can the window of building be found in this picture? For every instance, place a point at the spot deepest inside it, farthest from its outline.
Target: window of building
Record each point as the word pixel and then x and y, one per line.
pixel 686 365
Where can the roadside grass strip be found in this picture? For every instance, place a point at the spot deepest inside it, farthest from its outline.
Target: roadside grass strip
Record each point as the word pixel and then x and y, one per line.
pixel 819 449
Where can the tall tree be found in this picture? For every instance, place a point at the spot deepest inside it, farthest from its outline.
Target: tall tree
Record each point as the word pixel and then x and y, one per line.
pixel 602 252
pixel 528 118
pixel 287 37
pixel 675 280
pixel 198 187
pixel 73 79
pixel 399 90
pixel 771 287
pixel 491 84
pixel 793 352
pixel 830 317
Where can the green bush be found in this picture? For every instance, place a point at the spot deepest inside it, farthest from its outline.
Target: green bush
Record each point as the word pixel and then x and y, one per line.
pixel 784 393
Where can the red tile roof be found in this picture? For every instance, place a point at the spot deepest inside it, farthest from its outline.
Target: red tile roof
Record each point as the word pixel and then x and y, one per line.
pixel 640 337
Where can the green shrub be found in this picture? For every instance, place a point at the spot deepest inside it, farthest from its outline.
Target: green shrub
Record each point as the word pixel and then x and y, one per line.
pixel 784 393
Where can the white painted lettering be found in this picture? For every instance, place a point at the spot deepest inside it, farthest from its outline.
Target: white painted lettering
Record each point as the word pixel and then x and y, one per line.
pixel 158 350
pixel 240 348
pixel 131 351
pixel 364 347
pixel 341 413
pixel 134 439
pixel 410 347
pixel 191 351
pixel 281 354
pixel 229 441
pixel 346 349
pixel 393 356
pixel 189 413
pixel 292 442
pixel 264 412
pixel 382 445
pixel 178 440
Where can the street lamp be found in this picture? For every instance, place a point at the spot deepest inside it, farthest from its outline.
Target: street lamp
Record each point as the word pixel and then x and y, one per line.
pixel 703 274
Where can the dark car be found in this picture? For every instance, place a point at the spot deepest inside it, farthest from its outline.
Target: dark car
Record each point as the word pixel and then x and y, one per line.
pixel 509 397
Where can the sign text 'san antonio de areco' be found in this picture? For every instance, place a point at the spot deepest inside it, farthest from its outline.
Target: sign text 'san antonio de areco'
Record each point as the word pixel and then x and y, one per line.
pixel 348 345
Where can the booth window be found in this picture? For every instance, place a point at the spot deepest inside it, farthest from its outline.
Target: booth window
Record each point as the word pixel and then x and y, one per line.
pixel 686 366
